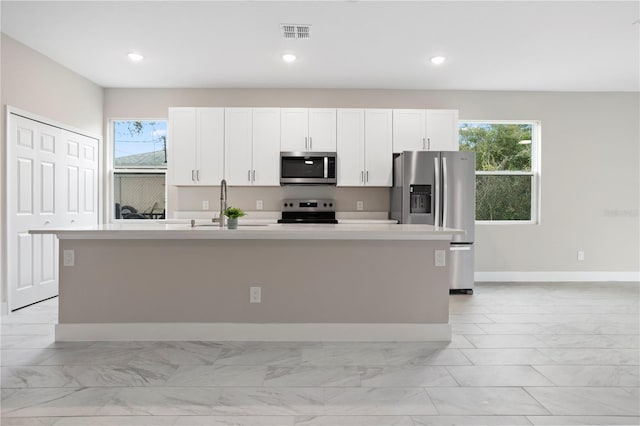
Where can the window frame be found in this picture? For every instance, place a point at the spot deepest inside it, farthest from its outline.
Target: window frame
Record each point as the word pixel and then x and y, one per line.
pixel 536 138
pixel 111 171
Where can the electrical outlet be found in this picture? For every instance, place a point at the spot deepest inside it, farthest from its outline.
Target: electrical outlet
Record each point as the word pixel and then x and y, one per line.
pixel 359 205
pixel 255 294
pixel 259 205
pixel 580 255
pixel 441 259
pixel 69 257
pixel 205 204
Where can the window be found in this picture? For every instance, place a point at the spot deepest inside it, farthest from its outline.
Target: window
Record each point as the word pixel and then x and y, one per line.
pixel 506 168
pixel 140 165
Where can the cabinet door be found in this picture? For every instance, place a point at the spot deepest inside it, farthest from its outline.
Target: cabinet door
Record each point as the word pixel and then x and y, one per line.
pixel 238 139
pixel 322 130
pixel 408 130
pixel 181 146
pixel 210 146
pixel 294 129
pixel 442 129
pixel 350 146
pixel 266 147
pixel 378 150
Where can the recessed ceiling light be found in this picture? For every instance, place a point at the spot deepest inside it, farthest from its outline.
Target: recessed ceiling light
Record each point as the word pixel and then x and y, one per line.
pixel 289 57
pixel 135 57
pixel 438 60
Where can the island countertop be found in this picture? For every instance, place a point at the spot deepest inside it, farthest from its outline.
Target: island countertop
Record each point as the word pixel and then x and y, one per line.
pixel 252 231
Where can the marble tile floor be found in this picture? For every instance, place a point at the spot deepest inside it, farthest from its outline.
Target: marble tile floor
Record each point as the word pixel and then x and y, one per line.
pixel 522 354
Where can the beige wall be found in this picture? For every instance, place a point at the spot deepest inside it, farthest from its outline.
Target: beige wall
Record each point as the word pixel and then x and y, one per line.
pixel 34 83
pixel 359 281
pixel 590 154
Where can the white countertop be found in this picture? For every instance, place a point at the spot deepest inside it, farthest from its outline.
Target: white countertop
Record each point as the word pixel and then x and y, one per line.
pixel 253 230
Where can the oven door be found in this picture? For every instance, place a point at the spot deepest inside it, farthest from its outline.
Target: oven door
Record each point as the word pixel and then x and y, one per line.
pixel 307 168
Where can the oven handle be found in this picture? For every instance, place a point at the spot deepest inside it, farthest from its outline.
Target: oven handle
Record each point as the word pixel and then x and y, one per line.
pixel 326 167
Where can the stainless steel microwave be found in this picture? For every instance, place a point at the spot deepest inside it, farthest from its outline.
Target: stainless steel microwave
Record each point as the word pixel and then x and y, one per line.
pixel 307 168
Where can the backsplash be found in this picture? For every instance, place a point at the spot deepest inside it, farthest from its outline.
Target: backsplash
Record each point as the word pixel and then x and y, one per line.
pixel 191 198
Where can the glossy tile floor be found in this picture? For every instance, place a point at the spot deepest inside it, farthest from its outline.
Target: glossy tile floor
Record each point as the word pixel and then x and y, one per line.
pixel 542 354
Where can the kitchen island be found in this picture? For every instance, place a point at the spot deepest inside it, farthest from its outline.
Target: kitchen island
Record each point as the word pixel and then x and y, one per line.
pixel 155 281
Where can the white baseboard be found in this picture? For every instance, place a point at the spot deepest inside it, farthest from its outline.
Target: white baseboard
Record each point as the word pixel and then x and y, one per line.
pixel 544 276
pixel 255 332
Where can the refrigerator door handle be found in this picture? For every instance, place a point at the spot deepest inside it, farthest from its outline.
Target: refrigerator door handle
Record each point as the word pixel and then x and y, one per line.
pixel 436 162
pixel 444 192
pixel 460 248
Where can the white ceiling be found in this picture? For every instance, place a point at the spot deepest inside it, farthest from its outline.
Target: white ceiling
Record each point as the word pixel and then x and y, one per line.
pixel 502 45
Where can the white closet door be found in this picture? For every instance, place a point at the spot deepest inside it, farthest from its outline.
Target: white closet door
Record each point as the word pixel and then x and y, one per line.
pixel 32 202
pixel 52 181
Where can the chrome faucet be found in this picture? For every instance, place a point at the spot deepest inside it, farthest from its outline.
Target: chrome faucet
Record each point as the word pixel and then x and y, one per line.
pixel 223 201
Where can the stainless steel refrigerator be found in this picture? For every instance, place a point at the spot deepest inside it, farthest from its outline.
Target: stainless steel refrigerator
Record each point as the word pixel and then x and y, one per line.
pixel 438 188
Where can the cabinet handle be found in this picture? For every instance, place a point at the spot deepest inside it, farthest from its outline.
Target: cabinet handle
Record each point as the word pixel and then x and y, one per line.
pixel 362 176
pixel 253 176
pixel 367 179
pixel 249 175
pixel 306 143
pixel 310 143
pixel 198 175
pixel 429 144
pixel 423 144
pixel 193 175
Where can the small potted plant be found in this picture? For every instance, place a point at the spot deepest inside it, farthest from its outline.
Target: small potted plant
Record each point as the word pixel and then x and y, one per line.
pixel 233 213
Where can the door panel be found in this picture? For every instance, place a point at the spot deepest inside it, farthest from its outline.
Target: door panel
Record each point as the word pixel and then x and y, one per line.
pixel 44 166
pixel 73 189
pixel 442 129
pixel 322 130
pixel 25 189
pixel 350 144
pixel 294 129
pixel 25 260
pixel 48 188
pixel 458 185
pixel 181 146
pixel 378 147
pixel 461 266
pixel 266 146
pixel 238 139
pixel 419 168
pixel 408 130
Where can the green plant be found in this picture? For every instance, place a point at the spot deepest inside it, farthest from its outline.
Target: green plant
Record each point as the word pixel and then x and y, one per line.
pixel 233 212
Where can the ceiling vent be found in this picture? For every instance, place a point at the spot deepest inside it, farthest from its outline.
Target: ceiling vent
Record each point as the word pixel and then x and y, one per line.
pixel 296 31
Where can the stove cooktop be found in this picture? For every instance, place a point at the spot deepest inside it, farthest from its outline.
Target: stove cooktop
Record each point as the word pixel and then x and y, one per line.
pixel 308 211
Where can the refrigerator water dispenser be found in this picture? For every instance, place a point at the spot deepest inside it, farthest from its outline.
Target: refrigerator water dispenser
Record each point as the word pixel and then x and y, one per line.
pixel 420 199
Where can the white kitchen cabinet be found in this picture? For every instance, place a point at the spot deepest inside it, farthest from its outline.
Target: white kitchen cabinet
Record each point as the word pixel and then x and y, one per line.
pixel 308 129
pixel 425 130
pixel 364 146
pixel 252 141
pixel 195 146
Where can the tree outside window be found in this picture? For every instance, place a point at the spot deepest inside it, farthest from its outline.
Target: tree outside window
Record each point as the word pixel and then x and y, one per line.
pixel 140 163
pixel 505 168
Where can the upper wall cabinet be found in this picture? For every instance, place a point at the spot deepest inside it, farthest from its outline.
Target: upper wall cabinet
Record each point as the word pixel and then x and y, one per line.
pixel 308 129
pixel 195 146
pixel 425 130
pixel 252 146
pixel 364 145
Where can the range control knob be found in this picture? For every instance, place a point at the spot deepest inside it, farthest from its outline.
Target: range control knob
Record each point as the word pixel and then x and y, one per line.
pixel 325 204
pixel 330 204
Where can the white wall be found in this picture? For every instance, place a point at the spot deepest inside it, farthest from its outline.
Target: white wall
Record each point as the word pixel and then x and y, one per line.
pixel 590 155
pixel 34 83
